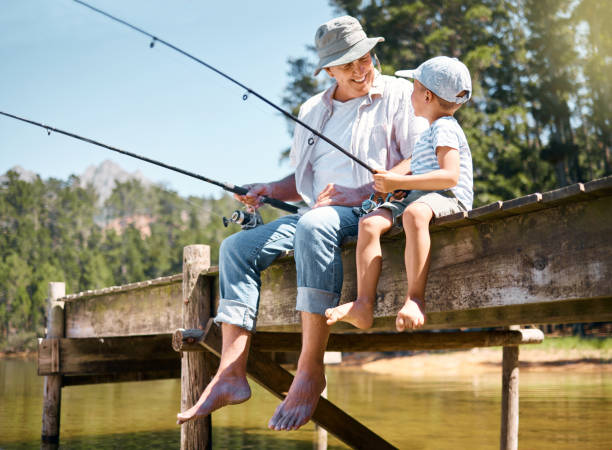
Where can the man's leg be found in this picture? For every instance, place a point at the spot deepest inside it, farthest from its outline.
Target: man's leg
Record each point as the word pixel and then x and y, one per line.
pixel 229 386
pixel 318 237
pixel 309 381
pixel 242 257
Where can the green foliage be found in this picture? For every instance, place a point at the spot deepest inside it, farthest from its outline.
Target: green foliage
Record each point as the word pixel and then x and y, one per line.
pixel 52 231
pixel 540 114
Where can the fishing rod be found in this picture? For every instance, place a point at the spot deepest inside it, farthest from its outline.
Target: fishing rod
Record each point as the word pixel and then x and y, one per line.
pixel 244 219
pixel 287 114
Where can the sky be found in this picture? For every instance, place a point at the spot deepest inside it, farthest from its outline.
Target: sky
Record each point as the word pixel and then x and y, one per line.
pixel 66 66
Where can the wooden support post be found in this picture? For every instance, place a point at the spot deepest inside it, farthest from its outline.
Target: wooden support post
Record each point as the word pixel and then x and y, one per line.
pixel 52 400
pixel 320 432
pixel 510 399
pixel 196 372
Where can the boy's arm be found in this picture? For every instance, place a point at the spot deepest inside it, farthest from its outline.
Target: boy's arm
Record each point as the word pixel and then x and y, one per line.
pixel 445 177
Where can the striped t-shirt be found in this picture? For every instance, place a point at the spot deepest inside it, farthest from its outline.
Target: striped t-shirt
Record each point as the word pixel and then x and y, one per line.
pixel 445 132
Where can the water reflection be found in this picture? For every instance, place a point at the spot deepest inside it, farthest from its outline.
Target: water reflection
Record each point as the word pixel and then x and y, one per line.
pixel 558 410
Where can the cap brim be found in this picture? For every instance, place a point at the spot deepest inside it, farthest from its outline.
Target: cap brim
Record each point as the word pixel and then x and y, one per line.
pixel 406 73
pixel 346 56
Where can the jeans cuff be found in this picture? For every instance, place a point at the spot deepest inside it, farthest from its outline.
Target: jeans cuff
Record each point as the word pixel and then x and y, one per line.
pixel 236 313
pixel 315 301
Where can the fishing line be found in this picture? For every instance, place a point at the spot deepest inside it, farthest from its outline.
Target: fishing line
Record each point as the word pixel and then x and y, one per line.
pixel 247 91
pixel 226 186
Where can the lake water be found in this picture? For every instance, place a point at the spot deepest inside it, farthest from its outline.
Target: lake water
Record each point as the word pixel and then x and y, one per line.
pixel 558 410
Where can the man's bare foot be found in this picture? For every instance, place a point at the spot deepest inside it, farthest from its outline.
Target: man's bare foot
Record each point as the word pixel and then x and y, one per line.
pixel 301 400
pixel 221 391
pixel 358 313
pixel 410 316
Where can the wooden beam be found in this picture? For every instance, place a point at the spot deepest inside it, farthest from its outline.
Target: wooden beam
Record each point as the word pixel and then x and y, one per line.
pixel 196 373
pixel 277 380
pixel 52 399
pixel 190 340
pixel 108 356
pixel 120 377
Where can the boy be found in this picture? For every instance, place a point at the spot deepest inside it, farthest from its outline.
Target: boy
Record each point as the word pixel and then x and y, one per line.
pixel 440 184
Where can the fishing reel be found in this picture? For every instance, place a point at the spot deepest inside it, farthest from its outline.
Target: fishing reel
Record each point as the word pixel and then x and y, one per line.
pixel 245 219
pixel 373 203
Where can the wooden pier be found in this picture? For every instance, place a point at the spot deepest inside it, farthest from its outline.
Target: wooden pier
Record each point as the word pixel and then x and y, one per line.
pixel 543 258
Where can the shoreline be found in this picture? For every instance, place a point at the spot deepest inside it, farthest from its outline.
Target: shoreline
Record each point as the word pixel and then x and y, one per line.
pixel 459 362
pixel 489 360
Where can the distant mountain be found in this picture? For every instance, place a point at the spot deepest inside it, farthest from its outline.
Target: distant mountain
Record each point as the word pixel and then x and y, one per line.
pixel 24 175
pixel 104 176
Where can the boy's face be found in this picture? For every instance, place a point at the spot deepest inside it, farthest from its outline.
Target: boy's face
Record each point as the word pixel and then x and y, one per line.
pixel 420 98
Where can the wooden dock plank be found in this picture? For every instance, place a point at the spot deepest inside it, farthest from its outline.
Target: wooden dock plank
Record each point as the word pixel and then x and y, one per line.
pixel 523 262
pixel 95 356
pixel 148 310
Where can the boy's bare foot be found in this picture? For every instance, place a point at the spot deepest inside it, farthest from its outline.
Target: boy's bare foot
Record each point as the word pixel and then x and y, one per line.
pixel 358 313
pixel 410 316
pixel 221 391
pixel 301 400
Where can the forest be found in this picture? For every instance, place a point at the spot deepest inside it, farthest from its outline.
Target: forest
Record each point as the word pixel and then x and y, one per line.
pixel 539 119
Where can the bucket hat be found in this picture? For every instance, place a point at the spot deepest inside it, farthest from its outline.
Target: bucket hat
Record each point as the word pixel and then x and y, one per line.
pixel 340 41
pixel 446 77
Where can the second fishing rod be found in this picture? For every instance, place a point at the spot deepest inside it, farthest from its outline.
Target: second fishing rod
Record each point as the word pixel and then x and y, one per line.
pixel 246 219
pixel 155 39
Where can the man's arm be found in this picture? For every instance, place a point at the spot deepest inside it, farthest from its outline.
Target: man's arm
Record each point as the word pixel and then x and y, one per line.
pixel 285 190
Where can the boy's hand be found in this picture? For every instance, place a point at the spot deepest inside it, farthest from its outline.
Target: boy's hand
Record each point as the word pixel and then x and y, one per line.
pixel 385 181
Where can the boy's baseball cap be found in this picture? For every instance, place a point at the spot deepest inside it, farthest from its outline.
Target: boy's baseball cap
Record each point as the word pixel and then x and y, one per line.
pixel 446 77
pixel 341 41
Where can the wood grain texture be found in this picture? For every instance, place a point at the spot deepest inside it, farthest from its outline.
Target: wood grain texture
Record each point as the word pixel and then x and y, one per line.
pixel 520 265
pixel 52 385
pixel 190 340
pixel 196 373
pixel 102 356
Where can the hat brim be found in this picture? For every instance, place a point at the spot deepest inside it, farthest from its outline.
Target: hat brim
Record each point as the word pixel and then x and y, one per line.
pixel 349 55
pixel 406 73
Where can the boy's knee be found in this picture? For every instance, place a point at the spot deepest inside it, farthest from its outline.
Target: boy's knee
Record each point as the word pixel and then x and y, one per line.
pixel 373 225
pixel 417 215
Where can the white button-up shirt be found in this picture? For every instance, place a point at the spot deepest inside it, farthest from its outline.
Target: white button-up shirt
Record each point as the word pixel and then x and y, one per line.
pixel 383 134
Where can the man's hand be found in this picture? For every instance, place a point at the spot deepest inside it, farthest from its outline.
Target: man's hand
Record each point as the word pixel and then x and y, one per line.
pixel 252 199
pixel 335 195
pixel 385 181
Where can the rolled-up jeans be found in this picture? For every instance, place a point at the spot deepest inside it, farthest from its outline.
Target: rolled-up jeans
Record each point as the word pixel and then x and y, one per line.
pixel 315 237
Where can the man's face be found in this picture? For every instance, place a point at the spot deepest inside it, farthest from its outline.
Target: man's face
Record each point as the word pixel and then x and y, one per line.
pixel 354 79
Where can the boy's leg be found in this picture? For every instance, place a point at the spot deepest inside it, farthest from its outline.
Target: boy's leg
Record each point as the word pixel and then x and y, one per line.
pixel 416 218
pixel 369 261
pixel 242 257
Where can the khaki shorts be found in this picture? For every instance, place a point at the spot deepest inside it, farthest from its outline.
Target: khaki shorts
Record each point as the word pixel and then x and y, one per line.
pixel 442 203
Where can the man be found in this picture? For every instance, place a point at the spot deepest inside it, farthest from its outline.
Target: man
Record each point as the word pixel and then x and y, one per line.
pixel 369 115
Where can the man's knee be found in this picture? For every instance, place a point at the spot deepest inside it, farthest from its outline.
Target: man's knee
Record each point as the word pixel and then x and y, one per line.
pixel 231 248
pixel 315 224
